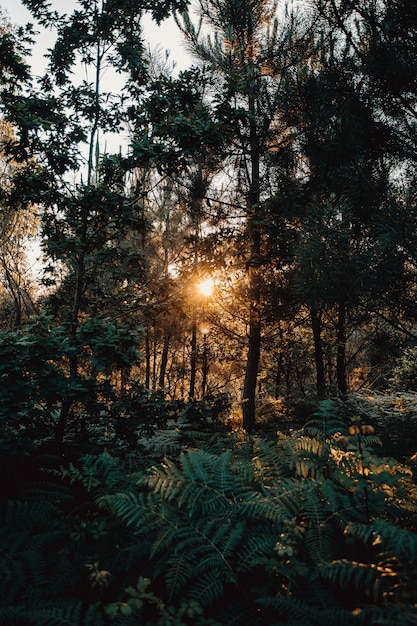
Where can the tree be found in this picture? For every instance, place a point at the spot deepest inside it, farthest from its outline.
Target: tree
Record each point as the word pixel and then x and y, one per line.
pixel 16 225
pixel 250 52
pixel 85 224
pixel 344 155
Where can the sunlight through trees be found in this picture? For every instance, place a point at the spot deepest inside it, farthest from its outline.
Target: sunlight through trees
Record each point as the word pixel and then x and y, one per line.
pixel 208 392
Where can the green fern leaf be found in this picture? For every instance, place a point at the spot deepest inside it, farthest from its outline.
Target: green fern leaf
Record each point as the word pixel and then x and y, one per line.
pixel 327 421
pixel 254 548
pixel 387 537
pixel 209 588
pixel 62 613
pixel 289 609
pixel 370 579
pixel 178 571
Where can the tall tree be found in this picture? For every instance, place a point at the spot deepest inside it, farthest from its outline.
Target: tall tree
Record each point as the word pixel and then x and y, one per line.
pixel 17 224
pixel 250 51
pixel 344 155
pixel 88 207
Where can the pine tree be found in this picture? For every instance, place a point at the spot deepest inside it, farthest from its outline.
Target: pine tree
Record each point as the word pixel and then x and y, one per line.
pixel 250 51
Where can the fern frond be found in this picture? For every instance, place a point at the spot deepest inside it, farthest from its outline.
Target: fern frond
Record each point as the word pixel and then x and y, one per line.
pixel 319 542
pixel 291 495
pixel 255 547
pixel 28 516
pixel 280 501
pixel 164 442
pixel 209 587
pixel 387 537
pixel 49 493
pixel 178 571
pixel 203 537
pixel 310 455
pixel 370 579
pixel 138 511
pixel 287 608
pixel 203 482
pixel 292 611
pixel 233 538
pixel 271 459
pixel 327 420
pixel 391 615
pixel 95 471
pixel 62 613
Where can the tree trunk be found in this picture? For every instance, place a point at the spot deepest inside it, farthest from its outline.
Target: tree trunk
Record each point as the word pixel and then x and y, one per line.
pixel 205 366
pixel 73 328
pixel 147 359
pixel 254 233
pixel 154 359
pixel 164 362
pixel 193 361
pixel 341 350
pixel 318 352
pixel 80 267
pixel 252 365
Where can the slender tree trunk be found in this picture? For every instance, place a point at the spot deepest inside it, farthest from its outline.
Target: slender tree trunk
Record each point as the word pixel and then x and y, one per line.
pixel 318 352
pixel 278 379
pixel 80 267
pixel 154 359
pixel 73 328
pixel 193 360
pixel 147 359
pixel 252 363
pixel 205 367
pixel 164 361
pixel 341 350
pixel 124 377
pixel 182 379
pixel 254 233
pixel 17 322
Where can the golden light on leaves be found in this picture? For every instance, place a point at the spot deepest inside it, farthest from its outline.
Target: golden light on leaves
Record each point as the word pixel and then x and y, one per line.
pixel 205 287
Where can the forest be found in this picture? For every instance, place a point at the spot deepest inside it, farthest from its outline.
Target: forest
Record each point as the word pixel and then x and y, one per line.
pixel 208 315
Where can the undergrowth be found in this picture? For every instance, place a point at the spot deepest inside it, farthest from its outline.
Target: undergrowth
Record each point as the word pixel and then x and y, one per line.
pixel 310 528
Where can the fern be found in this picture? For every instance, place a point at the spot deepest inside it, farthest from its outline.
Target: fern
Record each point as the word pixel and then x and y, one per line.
pixel 387 537
pixel 64 613
pixel 96 471
pixel 371 579
pixel 268 532
pixel 203 482
pixel 209 587
pixel 288 609
pixel 292 611
pixel 259 545
pixel 328 420
pixel 178 571
pixel 271 459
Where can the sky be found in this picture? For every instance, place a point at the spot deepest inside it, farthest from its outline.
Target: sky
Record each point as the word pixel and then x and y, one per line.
pixel 166 36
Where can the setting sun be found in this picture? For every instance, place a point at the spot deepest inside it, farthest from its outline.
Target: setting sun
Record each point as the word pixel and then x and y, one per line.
pixel 206 286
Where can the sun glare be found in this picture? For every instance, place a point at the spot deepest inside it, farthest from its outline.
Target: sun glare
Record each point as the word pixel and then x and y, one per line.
pixel 206 286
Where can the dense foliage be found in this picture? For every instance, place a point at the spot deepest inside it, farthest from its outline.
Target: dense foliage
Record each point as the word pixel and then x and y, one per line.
pixel 306 528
